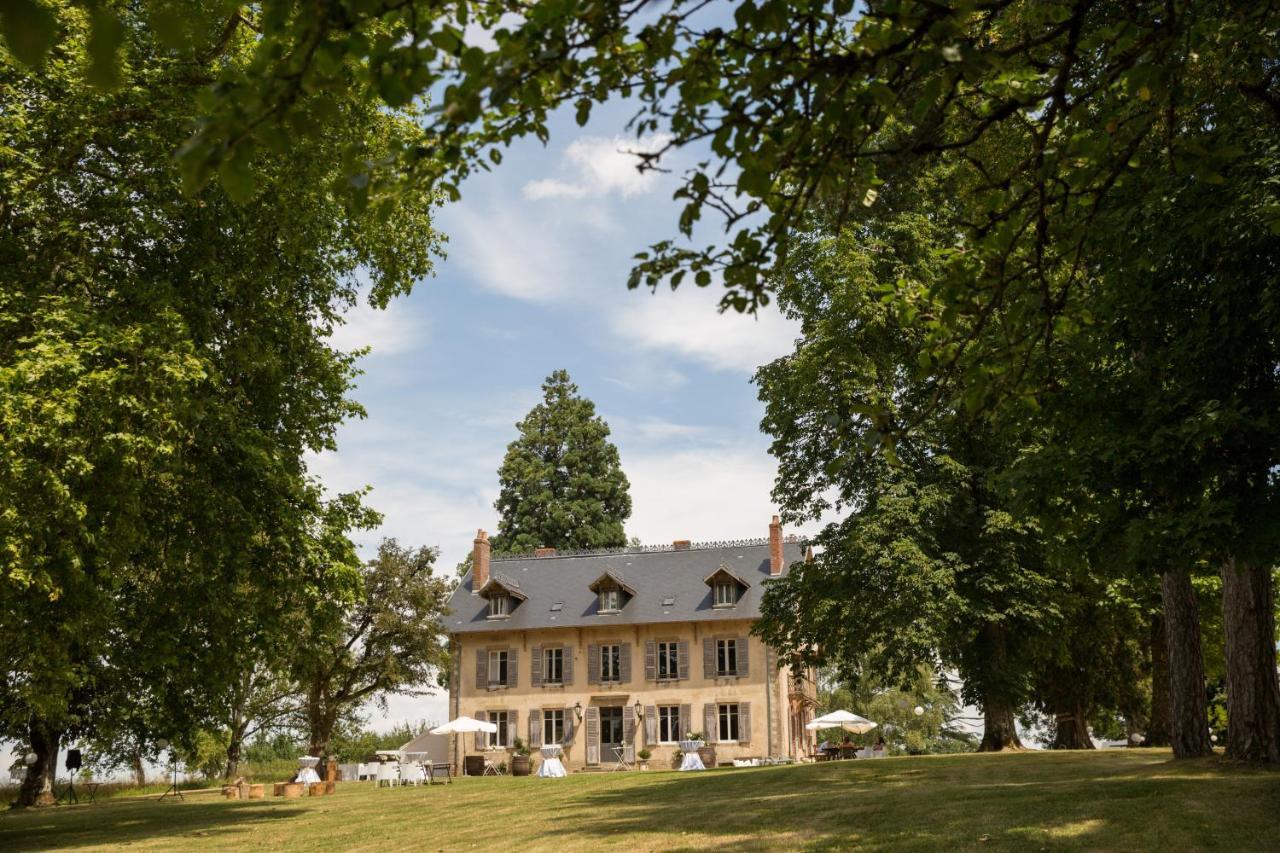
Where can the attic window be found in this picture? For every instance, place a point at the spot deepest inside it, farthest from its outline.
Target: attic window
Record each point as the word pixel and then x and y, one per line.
pixel 610 600
pixel 557 607
pixel 499 606
pixel 726 593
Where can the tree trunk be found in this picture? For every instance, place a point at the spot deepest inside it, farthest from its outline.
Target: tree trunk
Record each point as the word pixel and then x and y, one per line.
pixel 1159 723
pixel 239 725
pixel 321 719
pixel 1253 693
pixel 1189 717
pixel 233 754
pixel 1071 729
pixel 139 769
pixel 999 732
pixel 37 786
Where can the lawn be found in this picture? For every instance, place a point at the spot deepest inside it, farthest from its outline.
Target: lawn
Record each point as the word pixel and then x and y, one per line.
pixel 1123 799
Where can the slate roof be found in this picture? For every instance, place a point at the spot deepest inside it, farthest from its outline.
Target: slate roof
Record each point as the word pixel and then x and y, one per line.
pixel 654 575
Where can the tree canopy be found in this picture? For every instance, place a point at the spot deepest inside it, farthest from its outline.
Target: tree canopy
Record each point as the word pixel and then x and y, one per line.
pixel 164 367
pixel 561 481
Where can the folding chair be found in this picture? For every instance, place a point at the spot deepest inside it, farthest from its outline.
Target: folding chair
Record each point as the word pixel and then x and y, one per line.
pixel 621 753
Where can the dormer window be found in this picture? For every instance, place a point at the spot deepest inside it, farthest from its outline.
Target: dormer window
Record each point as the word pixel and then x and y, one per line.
pixel 612 592
pixel 610 600
pixel 503 594
pixel 726 587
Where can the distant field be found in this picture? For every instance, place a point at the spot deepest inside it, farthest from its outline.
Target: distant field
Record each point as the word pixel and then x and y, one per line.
pixel 1116 800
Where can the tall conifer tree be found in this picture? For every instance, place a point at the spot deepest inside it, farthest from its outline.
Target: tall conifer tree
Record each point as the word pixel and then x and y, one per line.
pixel 562 484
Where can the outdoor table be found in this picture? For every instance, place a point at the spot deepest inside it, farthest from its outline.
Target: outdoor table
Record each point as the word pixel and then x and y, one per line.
pixel 307 769
pixel 435 768
pixel 691 759
pixel 551 767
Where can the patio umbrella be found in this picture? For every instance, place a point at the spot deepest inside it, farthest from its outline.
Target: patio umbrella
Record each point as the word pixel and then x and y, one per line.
pixel 464 725
pixel 846 720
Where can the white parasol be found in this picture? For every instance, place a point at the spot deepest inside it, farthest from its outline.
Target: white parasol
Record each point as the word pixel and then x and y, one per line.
pixel 846 720
pixel 462 725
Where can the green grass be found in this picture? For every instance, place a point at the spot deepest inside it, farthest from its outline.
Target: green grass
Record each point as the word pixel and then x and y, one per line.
pixel 1116 800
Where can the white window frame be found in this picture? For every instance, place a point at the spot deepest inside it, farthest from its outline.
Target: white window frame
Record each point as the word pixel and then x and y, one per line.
pixel 671 715
pixel 727 722
pixel 726 649
pixel 552 718
pixel 668 652
pixel 610 600
pixel 556 654
pixel 499 606
pixel 498 739
pixel 726 594
pixel 611 674
pixel 498 660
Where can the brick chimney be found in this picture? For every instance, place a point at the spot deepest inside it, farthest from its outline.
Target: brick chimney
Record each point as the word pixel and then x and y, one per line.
pixel 775 547
pixel 681 545
pixel 544 552
pixel 480 561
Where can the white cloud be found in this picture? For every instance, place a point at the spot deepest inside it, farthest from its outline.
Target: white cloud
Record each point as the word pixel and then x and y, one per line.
pixel 601 166
pixel 551 188
pixel 714 492
pixel 688 322
pixel 520 256
pixel 388 331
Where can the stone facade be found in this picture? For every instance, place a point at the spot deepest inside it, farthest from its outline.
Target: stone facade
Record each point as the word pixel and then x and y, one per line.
pixel 597 688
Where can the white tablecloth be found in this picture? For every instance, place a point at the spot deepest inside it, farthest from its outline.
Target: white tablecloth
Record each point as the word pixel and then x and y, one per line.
pixel 307 769
pixel 691 759
pixel 551 767
pixel 412 773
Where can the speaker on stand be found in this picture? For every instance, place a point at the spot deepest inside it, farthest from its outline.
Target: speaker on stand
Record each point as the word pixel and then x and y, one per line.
pixel 73 764
pixel 172 790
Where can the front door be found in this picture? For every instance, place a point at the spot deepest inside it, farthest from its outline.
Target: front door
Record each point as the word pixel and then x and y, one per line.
pixel 610 731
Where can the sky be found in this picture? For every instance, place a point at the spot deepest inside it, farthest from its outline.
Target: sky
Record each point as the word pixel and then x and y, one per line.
pixel 534 280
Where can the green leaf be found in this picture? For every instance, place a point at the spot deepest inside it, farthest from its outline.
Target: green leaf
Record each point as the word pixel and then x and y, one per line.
pixel 105 38
pixel 29 29
pixel 237 177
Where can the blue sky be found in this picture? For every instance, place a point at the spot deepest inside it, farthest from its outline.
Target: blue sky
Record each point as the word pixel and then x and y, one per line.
pixel 535 280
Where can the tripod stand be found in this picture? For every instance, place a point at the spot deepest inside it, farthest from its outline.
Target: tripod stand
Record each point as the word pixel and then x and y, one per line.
pixel 172 790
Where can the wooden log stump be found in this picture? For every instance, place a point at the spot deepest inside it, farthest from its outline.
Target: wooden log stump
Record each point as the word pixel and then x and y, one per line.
pixel 257 792
pixel 293 789
pixel 231 792
pixel 315 789
pixel 331 787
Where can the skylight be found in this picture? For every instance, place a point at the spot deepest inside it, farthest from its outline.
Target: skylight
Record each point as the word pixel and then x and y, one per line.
pixel 559 605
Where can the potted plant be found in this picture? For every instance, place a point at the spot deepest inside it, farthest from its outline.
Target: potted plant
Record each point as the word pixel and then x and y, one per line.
pixel 520 761
pixel 644 755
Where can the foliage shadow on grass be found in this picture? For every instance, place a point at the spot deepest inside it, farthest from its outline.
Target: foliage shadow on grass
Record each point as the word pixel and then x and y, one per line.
pixel 120 822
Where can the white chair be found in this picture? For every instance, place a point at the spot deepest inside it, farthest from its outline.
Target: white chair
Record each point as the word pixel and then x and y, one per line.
pixel 389 772
pixel 410 773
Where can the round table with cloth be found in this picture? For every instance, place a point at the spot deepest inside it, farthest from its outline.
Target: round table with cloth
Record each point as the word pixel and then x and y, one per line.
pixel 307 769
pixel 691 759
pixel 551 767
